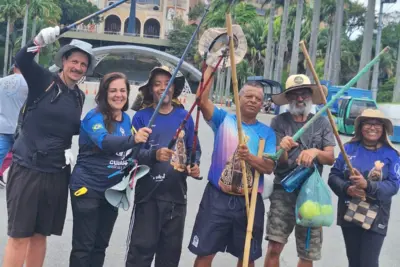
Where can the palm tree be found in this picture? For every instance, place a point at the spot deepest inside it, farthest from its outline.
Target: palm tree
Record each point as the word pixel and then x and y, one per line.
pixel 255 41
pixel 268 49
pixel 46 10
pixel 10 10
pixel 396 90
pixel 363 82
pixel 282 42
pixel 335 49
pixel 24 30
pixel 314 34
pixel 296 39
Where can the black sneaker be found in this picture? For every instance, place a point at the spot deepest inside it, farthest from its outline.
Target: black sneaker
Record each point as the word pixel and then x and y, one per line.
pixel 2 183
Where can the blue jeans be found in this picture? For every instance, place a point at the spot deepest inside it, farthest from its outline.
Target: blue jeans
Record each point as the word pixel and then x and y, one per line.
pixel 6 142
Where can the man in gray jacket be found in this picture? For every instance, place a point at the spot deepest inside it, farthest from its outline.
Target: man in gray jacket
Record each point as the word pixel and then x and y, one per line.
pixel 13 93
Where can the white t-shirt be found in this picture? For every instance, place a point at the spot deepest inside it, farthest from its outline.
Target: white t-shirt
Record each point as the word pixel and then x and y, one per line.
pixel 13 93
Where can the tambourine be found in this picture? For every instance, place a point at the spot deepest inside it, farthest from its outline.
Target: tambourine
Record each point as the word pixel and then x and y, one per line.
pixel 215 40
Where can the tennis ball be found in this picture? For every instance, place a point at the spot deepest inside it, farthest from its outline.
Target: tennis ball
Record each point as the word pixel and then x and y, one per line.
pixel 326 209
pixel 309 209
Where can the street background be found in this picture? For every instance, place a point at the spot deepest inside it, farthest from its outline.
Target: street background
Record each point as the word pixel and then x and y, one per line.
pixel 333 253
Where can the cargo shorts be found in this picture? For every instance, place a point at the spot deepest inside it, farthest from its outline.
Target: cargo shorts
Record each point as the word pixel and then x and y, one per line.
pixel 281 221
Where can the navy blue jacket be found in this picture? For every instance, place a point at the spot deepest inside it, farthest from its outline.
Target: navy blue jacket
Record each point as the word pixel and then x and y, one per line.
pixel 101 153
pixel 166 181
pixel 363 160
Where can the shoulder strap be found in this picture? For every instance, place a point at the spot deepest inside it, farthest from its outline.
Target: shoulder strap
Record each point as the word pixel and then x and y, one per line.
pixel 23 109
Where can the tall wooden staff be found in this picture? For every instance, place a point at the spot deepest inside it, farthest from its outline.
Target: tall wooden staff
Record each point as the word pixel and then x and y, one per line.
pixel 236 97
pixel 330 117
pixel 250 222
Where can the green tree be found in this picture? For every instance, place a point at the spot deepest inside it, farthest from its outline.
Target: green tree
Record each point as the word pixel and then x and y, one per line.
pixel 10 10
pixel 197 11
pixel 73 10
pixel 179 38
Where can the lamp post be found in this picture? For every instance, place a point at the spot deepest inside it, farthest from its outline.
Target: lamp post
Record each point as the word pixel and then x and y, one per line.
pixel 375 74
pixel 132 18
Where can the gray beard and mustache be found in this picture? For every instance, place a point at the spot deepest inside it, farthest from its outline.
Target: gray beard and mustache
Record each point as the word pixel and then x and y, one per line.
pixel 303 110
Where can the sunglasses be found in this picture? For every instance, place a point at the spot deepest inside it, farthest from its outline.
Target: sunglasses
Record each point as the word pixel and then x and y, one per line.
pixel 370 124
pixel 302 93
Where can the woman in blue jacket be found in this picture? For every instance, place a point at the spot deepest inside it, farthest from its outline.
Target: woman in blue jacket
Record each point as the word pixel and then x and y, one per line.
pixel 105 142
pixel 376 179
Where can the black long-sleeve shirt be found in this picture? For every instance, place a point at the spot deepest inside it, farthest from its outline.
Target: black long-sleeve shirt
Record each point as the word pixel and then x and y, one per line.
pixel 166 180
pixel 51 117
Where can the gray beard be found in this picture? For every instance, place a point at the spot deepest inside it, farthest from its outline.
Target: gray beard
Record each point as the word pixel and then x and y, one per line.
pixel 304 110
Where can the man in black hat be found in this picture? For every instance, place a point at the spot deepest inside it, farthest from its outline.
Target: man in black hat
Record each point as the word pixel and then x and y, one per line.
pixel 37 188
pixel 158 218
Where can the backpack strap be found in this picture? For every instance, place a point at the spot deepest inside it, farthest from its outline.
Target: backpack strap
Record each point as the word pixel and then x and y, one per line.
pixel 23 109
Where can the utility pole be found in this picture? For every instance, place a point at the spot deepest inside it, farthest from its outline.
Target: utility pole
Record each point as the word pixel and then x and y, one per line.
pixel 132 18
pixel 375 74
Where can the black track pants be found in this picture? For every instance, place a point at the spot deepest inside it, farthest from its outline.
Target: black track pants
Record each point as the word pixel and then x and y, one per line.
pixel 156 228
pixel 94 221
pixel 362 247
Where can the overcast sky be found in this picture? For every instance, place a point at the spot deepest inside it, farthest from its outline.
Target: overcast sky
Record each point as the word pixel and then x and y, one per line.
pixel 386 7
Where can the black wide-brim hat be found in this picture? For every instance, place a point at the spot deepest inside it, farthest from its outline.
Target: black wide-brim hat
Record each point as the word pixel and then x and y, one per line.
pixel 145 89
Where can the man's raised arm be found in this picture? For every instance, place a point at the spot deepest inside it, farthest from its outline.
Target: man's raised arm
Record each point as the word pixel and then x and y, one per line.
pixel 206 105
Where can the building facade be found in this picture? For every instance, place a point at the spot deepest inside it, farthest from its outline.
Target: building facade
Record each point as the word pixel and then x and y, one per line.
pixel 153 17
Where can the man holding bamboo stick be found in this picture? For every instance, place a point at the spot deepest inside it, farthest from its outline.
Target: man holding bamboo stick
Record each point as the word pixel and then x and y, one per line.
pixel 314 147
pixel 221 220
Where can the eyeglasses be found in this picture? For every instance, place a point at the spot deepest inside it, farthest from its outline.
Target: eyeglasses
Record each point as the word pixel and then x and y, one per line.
pixel 294 95
pixel 369 125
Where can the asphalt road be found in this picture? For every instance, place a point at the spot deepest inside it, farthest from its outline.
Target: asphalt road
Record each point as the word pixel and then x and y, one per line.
pixel 333 254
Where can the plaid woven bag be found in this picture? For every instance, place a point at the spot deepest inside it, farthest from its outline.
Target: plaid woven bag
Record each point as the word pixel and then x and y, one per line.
pixel 361 213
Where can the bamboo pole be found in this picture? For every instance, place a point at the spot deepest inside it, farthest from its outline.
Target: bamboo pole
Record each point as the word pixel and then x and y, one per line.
pixel 236 97
pixel 250 222
pixel 330 117
pixel 301 131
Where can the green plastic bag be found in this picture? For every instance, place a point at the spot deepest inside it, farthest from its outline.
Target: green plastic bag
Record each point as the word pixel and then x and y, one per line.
pixel 314 204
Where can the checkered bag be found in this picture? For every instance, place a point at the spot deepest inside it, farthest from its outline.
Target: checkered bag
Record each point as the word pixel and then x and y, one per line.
pixel 361 213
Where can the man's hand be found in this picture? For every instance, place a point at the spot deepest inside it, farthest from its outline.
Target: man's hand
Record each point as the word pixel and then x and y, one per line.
pixel 354 191
pixel 164 154
pixel 358 180
pixel 287 143
pixel 307 157
pixel 47 36
pixel 243 152
pixel 142 135
pixel 193 171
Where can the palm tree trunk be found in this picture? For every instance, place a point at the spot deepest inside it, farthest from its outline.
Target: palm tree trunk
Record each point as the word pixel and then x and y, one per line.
pixel 314 35
pixel 332 51
pixel 268 49
pixel 222 91
pixel 396 90
pixel 228 83
pixel 338 43
pixel 327 55
pixel 282 42
pixel 273 59
pixel 336 53
pixel 6 47
pixel 33 35
pixel 296 39
pixel 25 28
pixel 363 82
